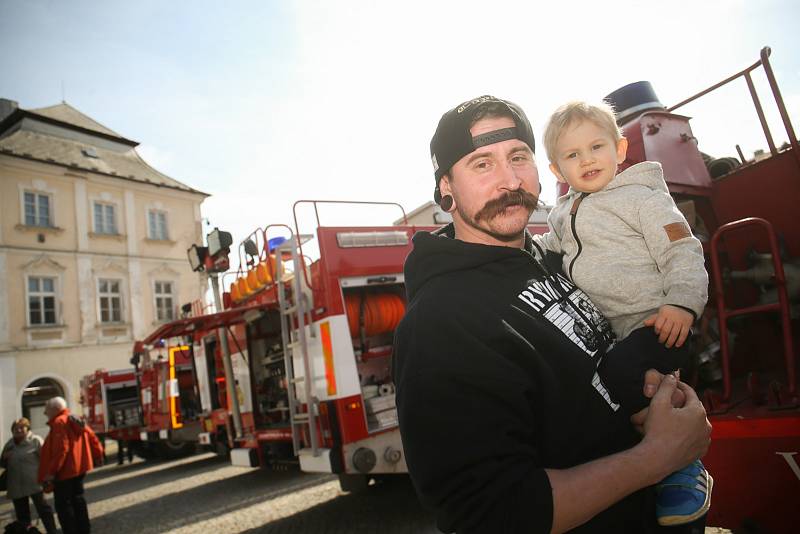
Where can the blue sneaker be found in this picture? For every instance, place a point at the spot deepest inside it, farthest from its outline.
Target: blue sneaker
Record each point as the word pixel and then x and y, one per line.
pixel 684 496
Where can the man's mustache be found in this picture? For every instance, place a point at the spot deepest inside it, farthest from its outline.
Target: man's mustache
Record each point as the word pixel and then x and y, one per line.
pixel 494 207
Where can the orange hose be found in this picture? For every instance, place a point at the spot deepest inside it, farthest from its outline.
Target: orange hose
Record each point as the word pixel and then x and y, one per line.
pixel 382 313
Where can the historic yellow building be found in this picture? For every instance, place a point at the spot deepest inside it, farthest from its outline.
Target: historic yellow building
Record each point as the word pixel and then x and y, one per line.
pixel 92 253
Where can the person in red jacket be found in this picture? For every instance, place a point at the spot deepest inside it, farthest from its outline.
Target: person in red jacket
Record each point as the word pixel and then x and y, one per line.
pixel 69 452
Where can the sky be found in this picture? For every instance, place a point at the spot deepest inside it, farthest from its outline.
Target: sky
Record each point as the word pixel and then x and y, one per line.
pixel 264 103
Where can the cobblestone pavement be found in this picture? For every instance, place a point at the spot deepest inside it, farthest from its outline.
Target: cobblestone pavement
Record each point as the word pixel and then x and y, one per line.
pixel 204 493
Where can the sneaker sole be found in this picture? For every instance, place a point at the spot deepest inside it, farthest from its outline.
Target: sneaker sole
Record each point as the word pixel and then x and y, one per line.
pixel 672 520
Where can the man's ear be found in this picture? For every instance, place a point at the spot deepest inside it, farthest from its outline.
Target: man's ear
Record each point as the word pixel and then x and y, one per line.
pixel 444 185
pixel 622 150
pixel 555 170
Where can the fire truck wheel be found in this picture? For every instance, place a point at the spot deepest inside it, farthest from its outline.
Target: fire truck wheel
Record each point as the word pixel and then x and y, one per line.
pixel 353 483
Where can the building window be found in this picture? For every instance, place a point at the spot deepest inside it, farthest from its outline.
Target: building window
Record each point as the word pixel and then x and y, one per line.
pixel 157 225
pixel 105 220
pixel 110 301
pixel 165 305
pixel 37 209
pixel 41 300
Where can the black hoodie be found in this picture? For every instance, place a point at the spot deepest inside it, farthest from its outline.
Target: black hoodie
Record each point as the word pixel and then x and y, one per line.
pixel 495 367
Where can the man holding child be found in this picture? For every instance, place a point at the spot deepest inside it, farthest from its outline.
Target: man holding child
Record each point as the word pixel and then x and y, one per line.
pixel 507 422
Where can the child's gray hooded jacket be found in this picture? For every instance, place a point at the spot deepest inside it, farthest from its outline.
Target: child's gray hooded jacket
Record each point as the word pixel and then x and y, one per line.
pixel 629 248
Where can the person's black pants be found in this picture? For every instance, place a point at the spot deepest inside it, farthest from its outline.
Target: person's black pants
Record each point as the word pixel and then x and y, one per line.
pixel 622 369
pixel 71 506
pixel 23 511
pixel 123 446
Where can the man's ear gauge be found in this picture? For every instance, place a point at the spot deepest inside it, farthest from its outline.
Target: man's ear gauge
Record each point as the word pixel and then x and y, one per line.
pixel 447 203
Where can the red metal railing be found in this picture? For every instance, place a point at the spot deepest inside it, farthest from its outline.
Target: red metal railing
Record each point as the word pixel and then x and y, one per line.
pixel 776 93
pixel 782 306
pixel 316 214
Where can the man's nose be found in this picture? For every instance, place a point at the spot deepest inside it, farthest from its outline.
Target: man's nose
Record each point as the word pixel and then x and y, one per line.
pixel 587 158
pixel 508 176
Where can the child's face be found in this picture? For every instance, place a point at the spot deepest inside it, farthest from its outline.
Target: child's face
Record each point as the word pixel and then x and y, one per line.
pixel 587 156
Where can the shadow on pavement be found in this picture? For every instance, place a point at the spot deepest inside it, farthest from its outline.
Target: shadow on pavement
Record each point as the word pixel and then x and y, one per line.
pixel 111 469
pixel 203 502
pixel 168 474
pixel 388 507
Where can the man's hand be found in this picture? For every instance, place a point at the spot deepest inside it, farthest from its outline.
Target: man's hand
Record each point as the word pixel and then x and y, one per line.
pixel 675 436
pixel 672 324
pixel 652 379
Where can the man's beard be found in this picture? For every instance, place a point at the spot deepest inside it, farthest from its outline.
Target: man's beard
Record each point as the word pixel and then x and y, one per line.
pixel 496 207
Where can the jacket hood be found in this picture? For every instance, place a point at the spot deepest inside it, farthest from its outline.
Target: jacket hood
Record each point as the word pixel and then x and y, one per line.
pixel 63 413
pixel 646 173
pixel 439 253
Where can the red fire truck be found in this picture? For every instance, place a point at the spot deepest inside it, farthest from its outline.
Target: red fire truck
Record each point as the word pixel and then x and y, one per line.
pixel 151 407
pixel 182 383
pixel 169 396
pixel 110 402
pixel 745 213
pixel 318 339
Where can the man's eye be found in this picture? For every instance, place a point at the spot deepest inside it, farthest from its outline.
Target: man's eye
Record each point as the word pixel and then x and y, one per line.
pixel 572 155
pixel 597 146
pixel 482 164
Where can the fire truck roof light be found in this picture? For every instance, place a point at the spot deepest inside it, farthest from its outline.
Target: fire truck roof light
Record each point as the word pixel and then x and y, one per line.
pixel 393 238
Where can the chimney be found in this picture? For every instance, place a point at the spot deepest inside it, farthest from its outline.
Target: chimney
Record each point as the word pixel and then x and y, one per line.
pixel 7 107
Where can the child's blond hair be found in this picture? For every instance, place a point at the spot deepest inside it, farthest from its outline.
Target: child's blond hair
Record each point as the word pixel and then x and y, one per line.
pixel 576 111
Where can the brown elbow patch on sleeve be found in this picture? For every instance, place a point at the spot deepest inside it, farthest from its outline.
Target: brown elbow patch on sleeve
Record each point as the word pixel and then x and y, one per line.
pixel 677 230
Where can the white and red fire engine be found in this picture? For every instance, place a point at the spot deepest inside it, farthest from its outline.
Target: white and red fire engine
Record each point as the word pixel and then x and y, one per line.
pixel 183 386
pixel 110 402
pixel 318 339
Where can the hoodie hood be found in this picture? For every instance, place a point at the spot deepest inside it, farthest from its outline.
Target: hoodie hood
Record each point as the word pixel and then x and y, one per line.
pixel 439 253
pixel 648 173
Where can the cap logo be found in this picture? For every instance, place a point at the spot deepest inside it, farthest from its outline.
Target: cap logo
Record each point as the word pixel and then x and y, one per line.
pixel 435 163
pixel 463 107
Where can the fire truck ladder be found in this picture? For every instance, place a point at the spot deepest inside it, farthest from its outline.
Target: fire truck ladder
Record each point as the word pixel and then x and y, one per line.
pixel 293 308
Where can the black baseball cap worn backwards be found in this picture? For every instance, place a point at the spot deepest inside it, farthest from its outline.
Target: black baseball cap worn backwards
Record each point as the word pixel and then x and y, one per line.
pixel 453 140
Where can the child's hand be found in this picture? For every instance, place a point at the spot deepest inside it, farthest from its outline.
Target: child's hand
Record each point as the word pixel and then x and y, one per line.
pixel 672 324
